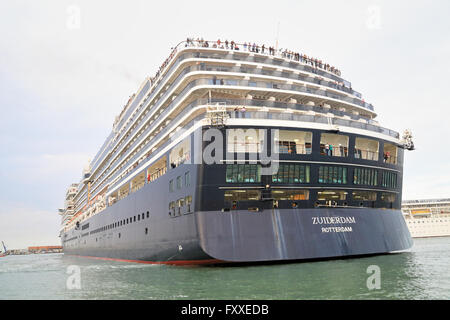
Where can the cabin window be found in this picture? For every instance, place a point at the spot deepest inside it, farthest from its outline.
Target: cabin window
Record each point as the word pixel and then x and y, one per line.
pixel 188 203
pixel 179 182
pixel 180 204
pixel 172 208
pixel 171 186
pixel 335 145
pixel 187 179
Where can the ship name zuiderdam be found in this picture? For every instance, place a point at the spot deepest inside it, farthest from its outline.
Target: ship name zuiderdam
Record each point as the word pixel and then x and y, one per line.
pixel 237 152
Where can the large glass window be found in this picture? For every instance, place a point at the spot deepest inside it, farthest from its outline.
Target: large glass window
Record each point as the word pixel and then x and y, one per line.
pixel 242 195
pixel 388 196
pixel 292 173
pixel 331 195
pixel 138 182
pixel 389 179
pixel 365 176
pixel 290 194
pixel 294 142
pixel 124 191
pixel 245 140
pixel 366 149
pixel 247 173
pixel 157 169
pixel 180 153
pixel 332 144
pixel 332 174
pixel 364 195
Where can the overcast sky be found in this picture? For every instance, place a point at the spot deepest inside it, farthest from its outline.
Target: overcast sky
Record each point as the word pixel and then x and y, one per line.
pixel 68 67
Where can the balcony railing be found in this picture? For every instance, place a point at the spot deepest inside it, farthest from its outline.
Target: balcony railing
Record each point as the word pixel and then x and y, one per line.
pixel 389 159
pixel 366 154
pixel 293 148
pixel 247 147
pixel 336 151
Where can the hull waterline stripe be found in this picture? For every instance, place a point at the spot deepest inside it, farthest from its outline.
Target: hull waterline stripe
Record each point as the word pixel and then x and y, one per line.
pixel 175 262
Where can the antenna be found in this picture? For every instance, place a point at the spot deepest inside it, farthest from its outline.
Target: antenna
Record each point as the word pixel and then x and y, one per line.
pixel 278 34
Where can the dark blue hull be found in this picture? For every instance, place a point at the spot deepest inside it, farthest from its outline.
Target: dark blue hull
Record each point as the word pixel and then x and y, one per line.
pixel 291 234
pixel 233 236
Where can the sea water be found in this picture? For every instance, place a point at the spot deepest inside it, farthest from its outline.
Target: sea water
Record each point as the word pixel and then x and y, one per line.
pixel 419 273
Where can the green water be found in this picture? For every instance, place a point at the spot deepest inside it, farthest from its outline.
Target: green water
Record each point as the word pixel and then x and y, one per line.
pixel 420 273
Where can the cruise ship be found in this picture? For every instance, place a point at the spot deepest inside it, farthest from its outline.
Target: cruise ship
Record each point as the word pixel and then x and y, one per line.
pixel 428 217
pixel 236 153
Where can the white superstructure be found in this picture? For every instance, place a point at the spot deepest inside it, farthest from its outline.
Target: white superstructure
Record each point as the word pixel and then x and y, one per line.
pixel 427 218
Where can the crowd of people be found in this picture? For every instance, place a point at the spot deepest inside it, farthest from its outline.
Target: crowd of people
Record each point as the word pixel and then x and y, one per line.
pixel 250 47
pixel 263 49
pixel 163 65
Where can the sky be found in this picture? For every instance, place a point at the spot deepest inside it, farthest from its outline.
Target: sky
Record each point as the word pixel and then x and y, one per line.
pixel 68 67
